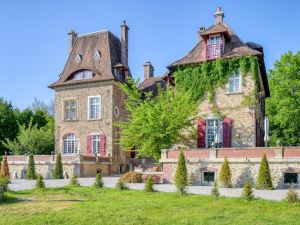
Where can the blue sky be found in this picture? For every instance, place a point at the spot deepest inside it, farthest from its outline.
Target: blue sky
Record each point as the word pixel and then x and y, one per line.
pixel 33 39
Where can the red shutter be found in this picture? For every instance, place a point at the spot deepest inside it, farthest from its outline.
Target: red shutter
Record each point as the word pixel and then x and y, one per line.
pixel 102 144
pixel 89 145
pixel 201 133
pixel 227 130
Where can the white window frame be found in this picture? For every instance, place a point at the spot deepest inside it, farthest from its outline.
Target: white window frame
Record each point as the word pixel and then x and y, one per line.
pixel 97 152
pixel 221 40
pixel 99 110
pixel 233 78
pixel 66 141
pixel 63 109
pixel 219 131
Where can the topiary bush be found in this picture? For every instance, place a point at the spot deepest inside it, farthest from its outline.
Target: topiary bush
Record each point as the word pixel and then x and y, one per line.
pixel 74 181
pixel 4 167
pixel 31 175
pixel 40 184
pixel 58 169
pixel 132 177
pixel 181 176
pixel 121 185
pixel 292 195
pixel 4 181
pixel 215 190
pixel 247 193
pixel 264 180
pixel 149 184
pixel 156 179
pixel 225 175
pixel 98 181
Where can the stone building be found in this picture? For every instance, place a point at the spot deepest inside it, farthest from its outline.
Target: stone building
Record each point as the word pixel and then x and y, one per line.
pixel 88 101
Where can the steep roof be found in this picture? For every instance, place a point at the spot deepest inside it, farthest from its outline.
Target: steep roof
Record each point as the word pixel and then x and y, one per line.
pixel 151 84
pixel 106 44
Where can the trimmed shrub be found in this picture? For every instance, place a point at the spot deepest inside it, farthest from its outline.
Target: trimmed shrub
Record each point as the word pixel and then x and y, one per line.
pixel 40 184
pixel 149 184
pixel 156 178
pixel 225 175
pixel 132 177
pixel 98 181
pixel 292 195
pixel 4 167
pixel 215 190
pixel 74 181
pixel 58 169
pixel 121 185
pixel 31 175
pixel 247 193
pixel 264 180
pixel 4 181
pixel 181 176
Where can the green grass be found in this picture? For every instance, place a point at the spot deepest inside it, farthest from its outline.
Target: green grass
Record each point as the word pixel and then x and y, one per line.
pixel 87 205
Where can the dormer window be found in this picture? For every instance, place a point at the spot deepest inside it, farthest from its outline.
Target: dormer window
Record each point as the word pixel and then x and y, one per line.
pixel 82 75
pixel 214 46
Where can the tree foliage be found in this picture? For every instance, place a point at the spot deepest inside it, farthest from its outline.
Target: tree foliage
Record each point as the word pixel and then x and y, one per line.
pixel 215 189
pixel 247 193
pixel 292 195
pixel 58 168
pixel 99 181
pixel 283 107
pixel 149 184
pixel 74 181
pixel 225 175
pixel 40 184
pixel 31 174
pixel 4 167
pixel 154 122
pixel 264 180
pixel 181 176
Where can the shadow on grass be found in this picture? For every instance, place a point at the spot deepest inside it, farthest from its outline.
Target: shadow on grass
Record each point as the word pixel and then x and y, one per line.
pixel 10 199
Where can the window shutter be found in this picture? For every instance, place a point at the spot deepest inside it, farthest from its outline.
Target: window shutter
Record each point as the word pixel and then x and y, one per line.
pixel 201 133
pixel 89 145
pixel 227 130
pixel 102 144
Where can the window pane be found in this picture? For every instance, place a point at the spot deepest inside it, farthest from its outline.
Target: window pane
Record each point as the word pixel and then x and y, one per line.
pixel 94 108
pixel 290 178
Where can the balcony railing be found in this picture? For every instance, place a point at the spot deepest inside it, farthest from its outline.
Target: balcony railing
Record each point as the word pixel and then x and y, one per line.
pixel 214 50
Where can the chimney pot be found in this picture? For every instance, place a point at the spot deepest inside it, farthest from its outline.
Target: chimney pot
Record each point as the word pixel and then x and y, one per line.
pixel 219 15
pixel 72 35
pixel 148 70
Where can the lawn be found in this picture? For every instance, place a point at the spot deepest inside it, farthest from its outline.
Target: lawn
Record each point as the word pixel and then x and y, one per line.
pixel 86 205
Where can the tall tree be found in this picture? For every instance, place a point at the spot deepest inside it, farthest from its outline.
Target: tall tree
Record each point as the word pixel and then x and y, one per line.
pixel 181 176
pixel 155 122
pixel 264 179
pixel 8 124
pixel 283 107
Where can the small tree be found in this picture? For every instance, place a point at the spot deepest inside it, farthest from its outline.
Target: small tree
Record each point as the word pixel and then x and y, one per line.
pixel 225 175
pixel 31 175
pixel 149 184
pixel 215 190
pixel 181 176
pixel 98 181
pixel 121 185
pixel 58 169
pixel 4 167
pixel 264 180
pixel 39 184
pixel 74 181
pixel 292 195
pixel 247 193
pixel 4 181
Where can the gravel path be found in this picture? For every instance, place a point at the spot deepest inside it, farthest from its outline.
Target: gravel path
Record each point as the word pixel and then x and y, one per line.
pixel 19 185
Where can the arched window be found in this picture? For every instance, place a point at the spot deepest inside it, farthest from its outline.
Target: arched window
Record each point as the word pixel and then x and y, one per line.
pixel 70 144
pixel 82 75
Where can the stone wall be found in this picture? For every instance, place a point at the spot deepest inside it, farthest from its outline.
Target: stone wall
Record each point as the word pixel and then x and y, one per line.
pixel 244 164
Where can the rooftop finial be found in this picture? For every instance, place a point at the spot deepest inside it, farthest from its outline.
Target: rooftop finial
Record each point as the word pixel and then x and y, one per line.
pixel 219 15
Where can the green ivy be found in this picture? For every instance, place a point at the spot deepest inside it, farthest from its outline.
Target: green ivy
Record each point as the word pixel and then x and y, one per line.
pixel 208 76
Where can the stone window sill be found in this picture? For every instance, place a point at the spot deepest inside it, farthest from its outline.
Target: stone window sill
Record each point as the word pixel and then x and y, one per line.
pixel 235 93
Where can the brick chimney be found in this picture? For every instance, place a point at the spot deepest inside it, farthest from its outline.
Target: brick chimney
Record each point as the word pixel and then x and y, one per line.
pixel 124 41
pixel 72 35
pixel 219 15
pixel 148 70
pixel 201 30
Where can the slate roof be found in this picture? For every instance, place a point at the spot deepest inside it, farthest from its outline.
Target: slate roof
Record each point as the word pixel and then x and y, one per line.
pixel 151 84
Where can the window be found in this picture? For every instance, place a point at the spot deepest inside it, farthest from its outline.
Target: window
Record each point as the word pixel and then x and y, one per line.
pixel 94 108
pixel 70 144
pixel 96 143
pixel 208 177
pixel 234 84
pixel 290 178
pixel 70 109
pixel 214 47
pixel 82 75
pixel 214 133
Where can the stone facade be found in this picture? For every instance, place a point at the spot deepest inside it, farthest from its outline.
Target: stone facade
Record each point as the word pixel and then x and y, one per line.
pixel 244 164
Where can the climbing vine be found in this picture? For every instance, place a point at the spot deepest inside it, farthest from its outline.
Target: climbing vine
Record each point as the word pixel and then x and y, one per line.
pixel 208 76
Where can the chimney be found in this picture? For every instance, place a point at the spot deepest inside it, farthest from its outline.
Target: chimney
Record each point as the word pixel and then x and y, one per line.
pixel 201 30
pixel 72 35
pixel 124 41
pixel 148 70
pixel 219 15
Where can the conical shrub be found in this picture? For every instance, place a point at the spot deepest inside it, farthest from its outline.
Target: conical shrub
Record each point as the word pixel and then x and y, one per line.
pixel 215 190
pixel 31 175
pixel 225 175
pixel 4 167
pixel 98 181
pixel 58 169
pixel 247 193
pixel 40 184
pixel 74 181
pixel 292 195
pixel 181 176
pixel 121 185
pixel 149 184
pixel 264 180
